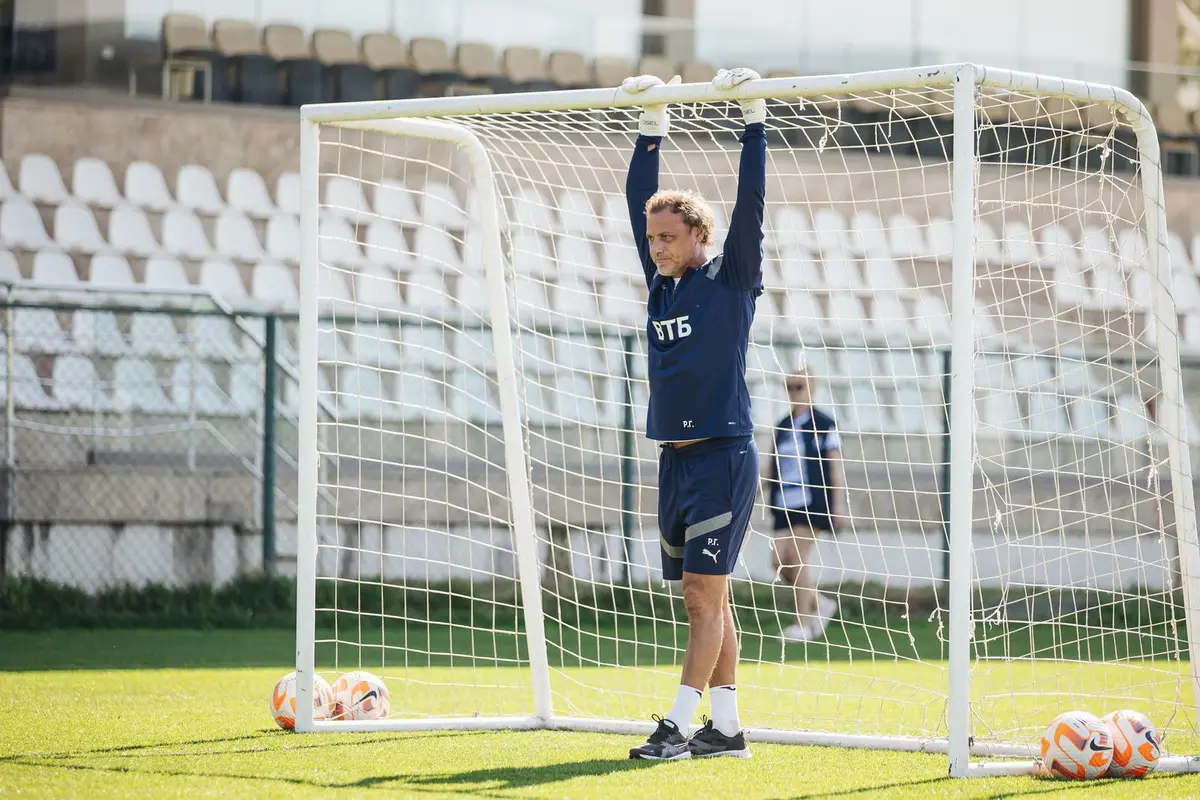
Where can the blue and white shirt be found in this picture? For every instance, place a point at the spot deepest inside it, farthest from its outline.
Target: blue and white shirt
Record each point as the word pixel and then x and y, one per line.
pixel 801 467
pixel 698 325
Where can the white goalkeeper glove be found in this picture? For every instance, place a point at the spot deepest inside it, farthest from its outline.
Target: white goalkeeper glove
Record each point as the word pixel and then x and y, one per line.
pixel 654 121
pixel 752 110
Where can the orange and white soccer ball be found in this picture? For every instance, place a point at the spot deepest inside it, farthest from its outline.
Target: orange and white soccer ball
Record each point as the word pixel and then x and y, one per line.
pixel 283 700
pixel 1076 746
pixel 1135 744
pixel 360 695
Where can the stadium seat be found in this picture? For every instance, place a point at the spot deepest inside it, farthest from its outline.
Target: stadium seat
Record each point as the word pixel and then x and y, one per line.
pixel 146 188
pixel 1019 245
pixel 933 315
pixel 620 303
pixel 136 386
pixel 283 238
pixel 28 388
pixel 1090 417
pixel 425 346
pixel 1181 261
pixel 660 66
pixel 534 297
pixel 222 279
pixel 388 57
pixel 246 192
pixel 1096 249
pixel 129 232
pixel 987 244
pixel 377 346
pixel 273 285
pixel 21 226
pixel 386 246
pixel 92 182
pixel 470 397
pixel 801 313
pixel 418 397
pixel 577 214
pixel 1131 420
pixel 246 388
pixel 912 413
pixel 347 79
pixel 531 208
pixel 1109 288
pixel 302 75
pixel 1071 289
pixel 1131 250
pixel 37 330
pixel 441 207
pixel 338 242
pixel 697 72
pixel 54 267
pixel 575 299
pixel 575 255
pixel 868 237
pixel 333 287
pixel 619 257
pixel 40 180
pixel 611 70
pixel 185 36
pixel 394 202
pixel 891 320
pixel 473 298
pixel 1057 248
pixel 110 270
pixel 906 238
pixel 1047 415
pixel 999 414
pixel 882 274
pixel 331 345
pixel 792 230
pixel 579 353
pixel 165 274
pixel 425 291
pixel 287 193
pixel 344 197
pixel 76 385
pixel 532 255
pixel 75 229
pixel 865 412
pixel 215 338
pixel 830 232
pixel 183 235
pixel 378 288
pixel 97 332
pixel 433 63
pixel 842 275
pixel 525 70
pixel 9 271
pixel 538 406
pixel 476 63
pixel 575 400
pixel 197 190
pixel 366 394
pixel 155 335
pixel 6 187
pixel 940 235
pixel 252 73
pixel 435 248
pixel 569 69
pixel 236 238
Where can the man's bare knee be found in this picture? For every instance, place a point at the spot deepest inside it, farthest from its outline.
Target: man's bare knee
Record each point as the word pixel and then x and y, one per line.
pixel 704 598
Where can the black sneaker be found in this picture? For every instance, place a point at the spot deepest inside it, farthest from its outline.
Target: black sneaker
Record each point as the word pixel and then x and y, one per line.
pixel 709 742
pixel 665 744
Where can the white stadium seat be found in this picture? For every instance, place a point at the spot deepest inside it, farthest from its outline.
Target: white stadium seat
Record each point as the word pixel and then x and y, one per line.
pixel 906 238
pixel 9 270
pixel 28 387
pixel 1181 261
pixel 799 269
pixel 235 237
pixel 156 335
pixel 531 254
pixel 575 299
pixel 165 273
pixel 395 202
pixel 273 284
pixel 883 275
pixel 473 298
pixel 418 397
pixel 868 236
pixel 76 385
pixel 366 394
pixel 110 270
pixel 620 257
pixel 472 347
pixel 831 233
pixel 531 208
pixel 338 242
pixel 534 298
pixel 426 291
pixel 940 235
pixel 194 387
pixel 97 332
pixel 470 398
pixel 377 346
pixel 934 316
pixel 145 187
pixel 136 386
pixel 578 215
pixel 1019 245
pixel 575 255
pixel 75 229
pixel 1096 249
pixel 129 232
pixel 792 229
pixel 92 182
pixel 332 286
pixel 987 244
pixel 183 235
pixel 424 346
pixel 6 187
pixel 287 193
pixel 215 338
pixel 1058 248
pixel 41 181
pixel 620 303
pixel 245 387
pixel 21 225
pixel 37 330
pixel 441 208
pixel 1070 287
pixel 614 218
pixel 344 197
pixel 54 266
pixel 379 288
pixel 283 238
pixel 435 248
pixel 197 189
pixel 386 245
pixel 222 279
pixel 245 191
pixel 575 399
pixel 1131 250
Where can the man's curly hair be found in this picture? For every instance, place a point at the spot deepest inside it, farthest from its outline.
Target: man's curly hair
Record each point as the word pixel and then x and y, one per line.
pixel 688 204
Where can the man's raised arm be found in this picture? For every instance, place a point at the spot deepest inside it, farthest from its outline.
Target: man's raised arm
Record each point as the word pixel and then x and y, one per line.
pixel 642 181
pixel 741 265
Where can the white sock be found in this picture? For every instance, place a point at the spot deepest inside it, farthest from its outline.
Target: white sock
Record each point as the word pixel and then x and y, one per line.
pixel 687 700
pixel 724 709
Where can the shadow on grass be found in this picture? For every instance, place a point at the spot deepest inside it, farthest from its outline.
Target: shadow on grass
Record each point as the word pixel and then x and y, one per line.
pixel 509 777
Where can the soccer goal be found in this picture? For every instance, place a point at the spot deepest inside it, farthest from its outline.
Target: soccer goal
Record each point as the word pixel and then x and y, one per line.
pixel 972 265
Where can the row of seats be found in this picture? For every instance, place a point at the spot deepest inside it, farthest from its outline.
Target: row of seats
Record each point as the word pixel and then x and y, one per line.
pixel 280 65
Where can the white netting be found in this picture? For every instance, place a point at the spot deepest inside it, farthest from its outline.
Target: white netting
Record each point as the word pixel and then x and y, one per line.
pixel 1077 600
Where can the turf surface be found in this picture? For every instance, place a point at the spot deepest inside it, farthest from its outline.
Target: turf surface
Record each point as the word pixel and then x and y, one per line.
pixel 184 713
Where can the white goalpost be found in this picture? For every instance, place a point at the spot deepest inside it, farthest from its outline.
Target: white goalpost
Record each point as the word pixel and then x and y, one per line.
pixel 973 265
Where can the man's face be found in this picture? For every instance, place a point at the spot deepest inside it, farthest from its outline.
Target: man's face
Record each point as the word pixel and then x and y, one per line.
pixel 673 245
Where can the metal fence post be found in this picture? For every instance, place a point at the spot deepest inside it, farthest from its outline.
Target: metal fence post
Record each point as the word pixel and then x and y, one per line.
pixel 268 448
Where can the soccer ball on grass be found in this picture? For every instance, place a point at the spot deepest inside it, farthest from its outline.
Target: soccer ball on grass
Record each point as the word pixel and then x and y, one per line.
pixel 1135 744
pixel 360 695
pixel 283 700
pixel 1077 746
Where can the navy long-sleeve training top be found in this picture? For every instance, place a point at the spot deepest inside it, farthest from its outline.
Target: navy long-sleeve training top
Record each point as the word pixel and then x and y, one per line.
pixel 699 324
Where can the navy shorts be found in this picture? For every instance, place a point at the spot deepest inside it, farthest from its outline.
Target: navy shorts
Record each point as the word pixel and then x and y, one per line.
pixel 788 518
pixel 706 493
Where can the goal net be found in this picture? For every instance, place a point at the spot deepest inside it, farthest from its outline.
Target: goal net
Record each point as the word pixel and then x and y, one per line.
pixel 481 529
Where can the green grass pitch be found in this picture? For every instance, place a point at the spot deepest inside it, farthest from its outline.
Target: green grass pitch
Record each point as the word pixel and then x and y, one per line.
pixel 184 714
